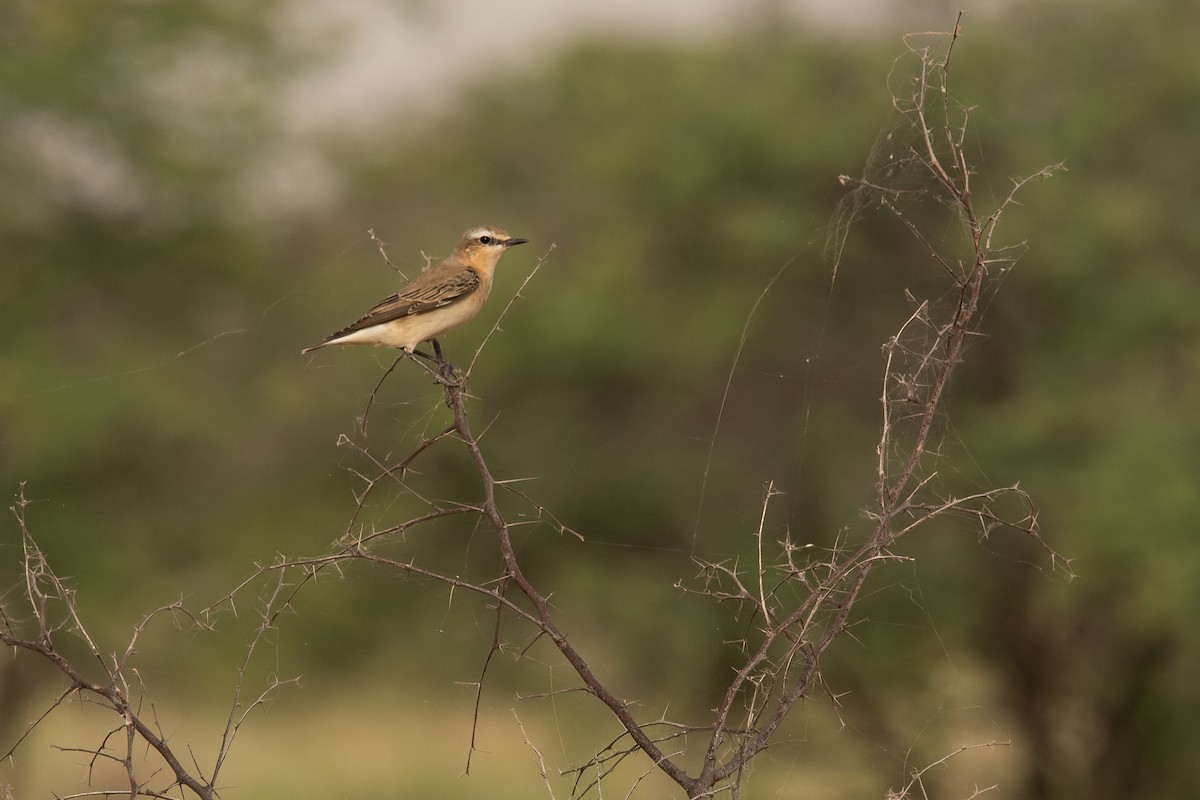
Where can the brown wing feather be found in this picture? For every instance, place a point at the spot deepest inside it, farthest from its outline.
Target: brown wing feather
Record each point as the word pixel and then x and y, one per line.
pixel 427 292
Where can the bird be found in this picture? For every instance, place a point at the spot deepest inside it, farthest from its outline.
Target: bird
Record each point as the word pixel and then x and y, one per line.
pixel 440 299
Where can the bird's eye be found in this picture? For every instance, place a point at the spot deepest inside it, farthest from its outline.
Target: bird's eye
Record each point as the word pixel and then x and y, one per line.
pixel 485 240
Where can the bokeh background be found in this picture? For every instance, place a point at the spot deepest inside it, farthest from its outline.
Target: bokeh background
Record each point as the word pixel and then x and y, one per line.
pixel 185 195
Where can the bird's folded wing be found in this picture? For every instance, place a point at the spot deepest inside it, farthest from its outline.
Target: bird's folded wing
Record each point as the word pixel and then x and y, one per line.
pixel 417 298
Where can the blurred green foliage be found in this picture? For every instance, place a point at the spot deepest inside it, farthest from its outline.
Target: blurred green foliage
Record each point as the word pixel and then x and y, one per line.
pixel 170 435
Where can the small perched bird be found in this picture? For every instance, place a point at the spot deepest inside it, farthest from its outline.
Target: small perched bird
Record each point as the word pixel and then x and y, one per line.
pixel 438 300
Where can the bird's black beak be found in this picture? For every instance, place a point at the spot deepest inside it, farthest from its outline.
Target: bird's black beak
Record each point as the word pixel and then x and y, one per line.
pixel 514 242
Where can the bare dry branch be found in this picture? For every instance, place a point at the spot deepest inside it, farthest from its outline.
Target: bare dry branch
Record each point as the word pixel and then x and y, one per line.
pixel 794 601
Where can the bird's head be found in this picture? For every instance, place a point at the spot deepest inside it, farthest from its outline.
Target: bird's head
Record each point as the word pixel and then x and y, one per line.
pixel 485 244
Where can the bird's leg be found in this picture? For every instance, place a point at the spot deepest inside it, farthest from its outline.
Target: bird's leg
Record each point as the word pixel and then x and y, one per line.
pixel 445 368
pixel 444 374
pixel 437 374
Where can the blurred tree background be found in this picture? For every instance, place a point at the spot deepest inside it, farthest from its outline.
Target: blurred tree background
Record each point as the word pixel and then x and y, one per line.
pixel 169 243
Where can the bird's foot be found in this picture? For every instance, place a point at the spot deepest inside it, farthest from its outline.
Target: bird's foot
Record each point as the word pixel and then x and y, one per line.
pixel 443 371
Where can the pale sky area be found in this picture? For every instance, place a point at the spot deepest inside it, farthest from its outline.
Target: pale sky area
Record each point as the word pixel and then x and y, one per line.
pixel 417 51
pixel 394 62
pixel 405 58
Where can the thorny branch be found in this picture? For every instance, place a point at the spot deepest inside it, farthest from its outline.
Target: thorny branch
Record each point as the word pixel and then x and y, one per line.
pixel 919 363
pixel 800 602
pixel 46 592
pixel 782 663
